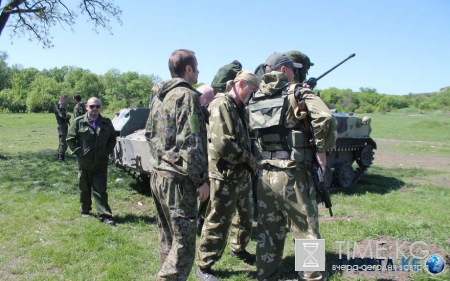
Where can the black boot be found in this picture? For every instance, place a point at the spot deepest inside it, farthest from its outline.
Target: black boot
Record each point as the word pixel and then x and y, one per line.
pixel 61 157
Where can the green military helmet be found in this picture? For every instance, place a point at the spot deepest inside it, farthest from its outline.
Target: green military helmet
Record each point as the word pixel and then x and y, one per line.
pixel 299 57
pixel 225 73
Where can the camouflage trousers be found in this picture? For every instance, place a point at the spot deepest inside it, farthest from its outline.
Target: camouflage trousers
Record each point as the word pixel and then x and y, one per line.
pixel 62 134
pixel 94 182
pixel 176 206
pixel 62 147
pixel 283 194
pixel 226 197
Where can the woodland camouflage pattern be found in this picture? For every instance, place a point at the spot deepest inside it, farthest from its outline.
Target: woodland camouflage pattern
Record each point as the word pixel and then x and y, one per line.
pixel 229 159
pixel 285 188
pixel 176 149
pixel 176 199
pixel 176 135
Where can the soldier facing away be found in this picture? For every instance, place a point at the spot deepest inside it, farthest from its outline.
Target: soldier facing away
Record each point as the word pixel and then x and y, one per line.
pixel 285 183
pixel 62 118
pixel 176 134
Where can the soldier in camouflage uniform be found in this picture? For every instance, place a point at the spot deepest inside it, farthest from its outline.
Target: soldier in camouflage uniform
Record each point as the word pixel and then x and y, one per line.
pixel 62 118
pixel 92 138
pixel 230 163
pixel 285 184
pixel 79 108
pixel 176 134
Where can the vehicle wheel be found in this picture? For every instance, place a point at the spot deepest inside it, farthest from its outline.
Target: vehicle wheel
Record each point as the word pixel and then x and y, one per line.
pixel 365 156
pixel 344 175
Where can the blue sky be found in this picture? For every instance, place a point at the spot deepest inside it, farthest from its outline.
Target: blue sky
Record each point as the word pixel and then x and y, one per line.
pixel 401 46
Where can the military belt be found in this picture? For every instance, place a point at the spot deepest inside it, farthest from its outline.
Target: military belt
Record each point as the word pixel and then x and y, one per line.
pixel 282 155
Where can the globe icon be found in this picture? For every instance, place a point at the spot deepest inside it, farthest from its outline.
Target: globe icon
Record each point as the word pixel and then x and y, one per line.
pixel 435 264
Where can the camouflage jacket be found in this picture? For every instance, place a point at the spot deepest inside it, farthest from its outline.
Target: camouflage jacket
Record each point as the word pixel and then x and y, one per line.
pixel 92 147
pixel 322 122
pixel 79 109
pixel 176 132
pixel 228 139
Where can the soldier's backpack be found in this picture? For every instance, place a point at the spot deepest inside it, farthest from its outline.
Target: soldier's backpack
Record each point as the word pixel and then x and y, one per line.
pixel 225 73
pixel 269 117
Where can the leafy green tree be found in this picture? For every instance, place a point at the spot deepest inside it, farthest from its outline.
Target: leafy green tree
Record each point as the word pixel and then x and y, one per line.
pixel 5 75
pixel 128 89
pixel 44 94
pixel 13 98
pixel 59 74
pixel 83 82
pixel 34 18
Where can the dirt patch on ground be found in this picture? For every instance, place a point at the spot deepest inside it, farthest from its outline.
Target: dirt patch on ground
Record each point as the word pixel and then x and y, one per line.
pixel 386 156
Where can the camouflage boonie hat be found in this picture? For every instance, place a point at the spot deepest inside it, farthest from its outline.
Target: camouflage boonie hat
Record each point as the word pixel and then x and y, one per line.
pixel 225 73
pixel 300 57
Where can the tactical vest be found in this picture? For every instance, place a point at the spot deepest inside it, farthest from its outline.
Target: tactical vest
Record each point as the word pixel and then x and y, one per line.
pixel 276 138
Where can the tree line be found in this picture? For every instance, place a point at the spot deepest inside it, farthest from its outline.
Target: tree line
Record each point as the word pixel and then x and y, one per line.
pixel 33 90
pixel 367 100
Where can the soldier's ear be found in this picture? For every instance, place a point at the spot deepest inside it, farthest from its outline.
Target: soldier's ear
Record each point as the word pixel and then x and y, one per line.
pixel 188 69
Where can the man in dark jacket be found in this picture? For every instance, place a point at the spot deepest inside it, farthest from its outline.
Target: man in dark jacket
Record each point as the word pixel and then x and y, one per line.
pixel 92 139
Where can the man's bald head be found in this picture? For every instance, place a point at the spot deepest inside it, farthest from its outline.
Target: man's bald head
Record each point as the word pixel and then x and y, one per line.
pixel 207 94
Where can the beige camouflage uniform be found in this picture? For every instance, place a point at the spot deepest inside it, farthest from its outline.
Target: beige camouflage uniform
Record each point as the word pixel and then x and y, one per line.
pixel 286 189
pixel 176 134
pixel 230 189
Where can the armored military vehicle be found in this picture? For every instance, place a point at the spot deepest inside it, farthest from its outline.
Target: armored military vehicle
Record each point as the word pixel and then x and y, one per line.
pixel 132 153
pixel 353 144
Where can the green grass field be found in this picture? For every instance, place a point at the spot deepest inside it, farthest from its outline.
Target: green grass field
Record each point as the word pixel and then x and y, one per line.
pixel 43 237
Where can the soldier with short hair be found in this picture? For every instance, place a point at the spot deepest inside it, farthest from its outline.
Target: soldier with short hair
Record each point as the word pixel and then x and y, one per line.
pixel 62 118
pixel 176 134
pixel 285 143
pixel 230 160
pixel 79 108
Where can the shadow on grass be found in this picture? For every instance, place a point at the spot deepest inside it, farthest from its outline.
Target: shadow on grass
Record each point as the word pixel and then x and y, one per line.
pixel 227 274
pixel 133 219
pixel 372 183
pixel 142 186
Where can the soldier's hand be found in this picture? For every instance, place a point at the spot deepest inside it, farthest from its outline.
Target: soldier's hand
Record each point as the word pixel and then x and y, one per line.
pixel 203 192
pixel 311 82
pixel 68 116
pixel 322 160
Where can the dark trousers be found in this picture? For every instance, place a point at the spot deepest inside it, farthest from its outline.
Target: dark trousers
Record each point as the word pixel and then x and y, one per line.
pixel 93 182
pixel 62 147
